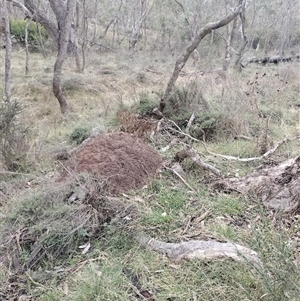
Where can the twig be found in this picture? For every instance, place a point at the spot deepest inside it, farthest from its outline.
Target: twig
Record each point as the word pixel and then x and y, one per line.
pixel 180 177
pixel 33 281
pixel 173 142
pixel 187 130
pixel 187 225
pixel 201 217
pixel 183 133
pixel 195 157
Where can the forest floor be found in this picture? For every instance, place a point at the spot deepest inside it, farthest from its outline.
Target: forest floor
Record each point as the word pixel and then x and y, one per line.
pixel 88 185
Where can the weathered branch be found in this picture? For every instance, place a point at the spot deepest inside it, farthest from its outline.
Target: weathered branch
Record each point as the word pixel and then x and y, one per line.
pixel 271 60
pixel 195 157
pixel 198 249
pixel 265 155
pixel 278 187
pixel 176 172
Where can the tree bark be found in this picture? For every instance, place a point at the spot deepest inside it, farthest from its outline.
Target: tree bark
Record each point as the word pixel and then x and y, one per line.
pixel 181 61
pixel 65 25
pixel 60 33
pixel 31 9
pixel 230 36
pixel 8 49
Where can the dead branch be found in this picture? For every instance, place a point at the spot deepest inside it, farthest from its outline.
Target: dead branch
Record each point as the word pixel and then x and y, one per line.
pixel 195 157
pixel 187 225
pixel 278 187
pixel 198 249
pixel 199 219
pixel 171 144
pixel 187 130
pixel 265 155
pixel 180 131
pixel 271 60
pixel 181 178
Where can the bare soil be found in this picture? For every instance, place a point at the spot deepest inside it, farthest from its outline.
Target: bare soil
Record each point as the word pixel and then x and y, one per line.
pixel 122 160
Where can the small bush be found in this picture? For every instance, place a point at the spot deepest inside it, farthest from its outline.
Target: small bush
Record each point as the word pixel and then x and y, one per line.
pixel 146 103
pixel 36 35
pixel 13 142
pixel 79 135
pixel 186 100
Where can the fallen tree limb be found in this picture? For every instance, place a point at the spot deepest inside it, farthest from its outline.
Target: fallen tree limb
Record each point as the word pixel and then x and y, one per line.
pixel 180 131
pixel 278 187
pixel 195 157
pixel 180 177
pixel 271 60
pixel 266 154
pixel 198 249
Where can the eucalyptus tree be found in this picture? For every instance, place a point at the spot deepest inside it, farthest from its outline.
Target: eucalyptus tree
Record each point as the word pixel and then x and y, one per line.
pixel 60 31
pixel 8 48
pixel 183 58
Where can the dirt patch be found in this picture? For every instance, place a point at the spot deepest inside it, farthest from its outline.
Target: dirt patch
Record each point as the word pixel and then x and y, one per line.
pixel 122 160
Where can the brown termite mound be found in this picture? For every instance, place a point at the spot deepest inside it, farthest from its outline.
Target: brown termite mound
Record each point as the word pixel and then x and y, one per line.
pixel 122 161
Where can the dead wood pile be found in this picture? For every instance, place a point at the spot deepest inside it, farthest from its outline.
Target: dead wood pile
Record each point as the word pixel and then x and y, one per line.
pixel 278 187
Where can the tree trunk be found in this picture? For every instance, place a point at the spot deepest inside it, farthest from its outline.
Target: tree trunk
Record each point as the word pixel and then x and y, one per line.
pixel 8 49
pixel 27 48
pixel 242 50
pixel 84 34
pixel 181 61
pixel 230 36
pixel 31 9
pixel 60 33
pixel 65 25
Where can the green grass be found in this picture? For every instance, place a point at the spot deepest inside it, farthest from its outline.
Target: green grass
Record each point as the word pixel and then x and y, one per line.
pixel 111 277
pixel 167 208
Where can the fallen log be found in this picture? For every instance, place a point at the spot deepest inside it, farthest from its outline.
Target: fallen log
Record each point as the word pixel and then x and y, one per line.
pixel 276 59
pixel 195 157
pixel 200 249
pixel 278 187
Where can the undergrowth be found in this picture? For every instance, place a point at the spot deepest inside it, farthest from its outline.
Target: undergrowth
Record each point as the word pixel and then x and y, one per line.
pixel 42 226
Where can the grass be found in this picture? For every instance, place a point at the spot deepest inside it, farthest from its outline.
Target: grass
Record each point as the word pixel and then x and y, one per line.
pixel 167 209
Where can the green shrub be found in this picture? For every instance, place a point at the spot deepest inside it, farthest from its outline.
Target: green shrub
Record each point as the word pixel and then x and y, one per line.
pixel 184 101
pixel 146 103
pixel 36 35
pixel 13 140
pixel 79 135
